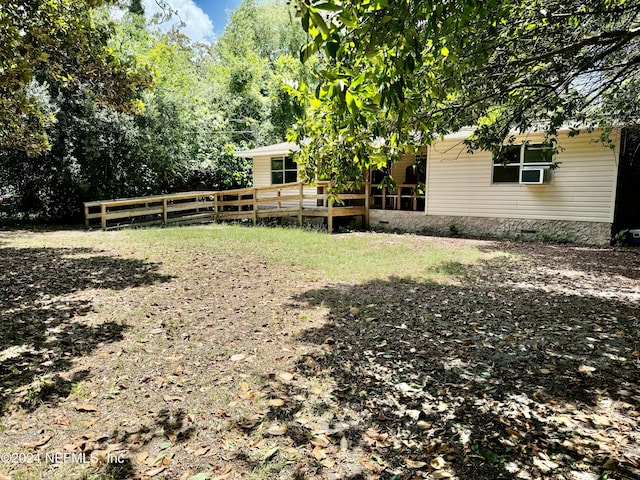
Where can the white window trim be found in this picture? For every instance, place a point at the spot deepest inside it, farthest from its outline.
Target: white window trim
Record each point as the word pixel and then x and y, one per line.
pixel 521 165
pixel 284 169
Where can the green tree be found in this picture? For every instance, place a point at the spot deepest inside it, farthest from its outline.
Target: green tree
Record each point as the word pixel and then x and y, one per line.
pixel 59 44
pixel 258 52
pixel 405 72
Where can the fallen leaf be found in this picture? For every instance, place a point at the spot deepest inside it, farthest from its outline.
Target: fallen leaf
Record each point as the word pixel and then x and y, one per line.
pixel 156 471
pixel 441 474
pixel 90 423
pixel 229 472
pixel 286 376
pixel 437 463
pixel 414 414
pixel 175 398
pixel 545 465
pixel 414 464
pixel 237 357
pixel 586 369
pixel 63 421
pixel 290 453
pixel 203 450
pixel 277 429
pixel 275 402
pixel 250 422
pixel 373 466
pixel 319 453
pixel 328 463
pixel 344 444
pixel 86 407
pixel 320 440
pixel 601 420
pixel 38 443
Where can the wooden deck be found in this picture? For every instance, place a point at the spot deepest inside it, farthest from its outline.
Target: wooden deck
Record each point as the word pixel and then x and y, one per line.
pixel 287 200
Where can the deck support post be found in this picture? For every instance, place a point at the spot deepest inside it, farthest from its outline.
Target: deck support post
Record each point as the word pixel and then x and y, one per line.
pixel 329 215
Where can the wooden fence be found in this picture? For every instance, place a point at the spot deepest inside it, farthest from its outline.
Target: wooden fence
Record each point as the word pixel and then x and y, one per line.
pixel 287 200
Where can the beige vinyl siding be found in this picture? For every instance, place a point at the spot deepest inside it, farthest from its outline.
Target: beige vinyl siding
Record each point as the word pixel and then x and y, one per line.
pixel 581 189
pixel 262 171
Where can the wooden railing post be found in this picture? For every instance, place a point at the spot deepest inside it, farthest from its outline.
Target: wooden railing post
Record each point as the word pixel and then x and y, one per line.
pixel 329 215
pixel 103 216
pixel 301 190
pixel 215 207
pixel 367 202
pixel 255 206
pixel 164 212
pixel 86 216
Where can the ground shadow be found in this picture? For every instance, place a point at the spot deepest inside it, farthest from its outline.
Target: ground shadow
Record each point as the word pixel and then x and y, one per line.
pixel 42 329
pixel 486 381
pixel 601 261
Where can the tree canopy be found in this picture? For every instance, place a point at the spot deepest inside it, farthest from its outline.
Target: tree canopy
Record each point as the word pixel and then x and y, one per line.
pixel 402 73
pixel 61 43
pixel 104 106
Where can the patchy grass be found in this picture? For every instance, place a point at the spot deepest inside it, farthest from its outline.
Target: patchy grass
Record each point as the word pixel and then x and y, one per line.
pixel 230 352
pixel 337 258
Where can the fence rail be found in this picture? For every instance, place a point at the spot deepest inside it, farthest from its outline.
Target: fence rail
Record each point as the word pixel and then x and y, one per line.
pixel 287 200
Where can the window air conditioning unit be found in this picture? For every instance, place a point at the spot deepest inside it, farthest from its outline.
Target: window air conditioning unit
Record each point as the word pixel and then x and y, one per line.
pixel 535 175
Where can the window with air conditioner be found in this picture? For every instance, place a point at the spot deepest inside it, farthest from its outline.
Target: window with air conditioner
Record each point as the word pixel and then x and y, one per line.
pixel 528 164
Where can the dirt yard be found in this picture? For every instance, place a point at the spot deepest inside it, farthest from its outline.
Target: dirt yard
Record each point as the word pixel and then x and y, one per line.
pixel 198 354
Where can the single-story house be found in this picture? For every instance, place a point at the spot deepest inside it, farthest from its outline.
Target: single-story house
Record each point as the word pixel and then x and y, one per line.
pixel 586 192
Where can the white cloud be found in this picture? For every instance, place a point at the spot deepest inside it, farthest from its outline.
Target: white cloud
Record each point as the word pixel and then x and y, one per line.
pixel 197 24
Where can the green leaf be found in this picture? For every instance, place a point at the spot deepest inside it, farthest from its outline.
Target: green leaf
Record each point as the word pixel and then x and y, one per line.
pixel 332 49
pixel 332 7
pixel 349 20
pixel 444 51
pixel 319 22
pixel 307 52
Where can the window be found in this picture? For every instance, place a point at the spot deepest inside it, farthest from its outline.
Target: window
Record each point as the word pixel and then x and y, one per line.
pixel 283 170
pixel 514 162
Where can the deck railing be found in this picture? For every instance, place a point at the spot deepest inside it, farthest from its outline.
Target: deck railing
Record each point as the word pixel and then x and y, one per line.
pixel 287 200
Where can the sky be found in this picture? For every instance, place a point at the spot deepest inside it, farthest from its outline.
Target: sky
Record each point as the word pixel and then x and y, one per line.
pixel 204 19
